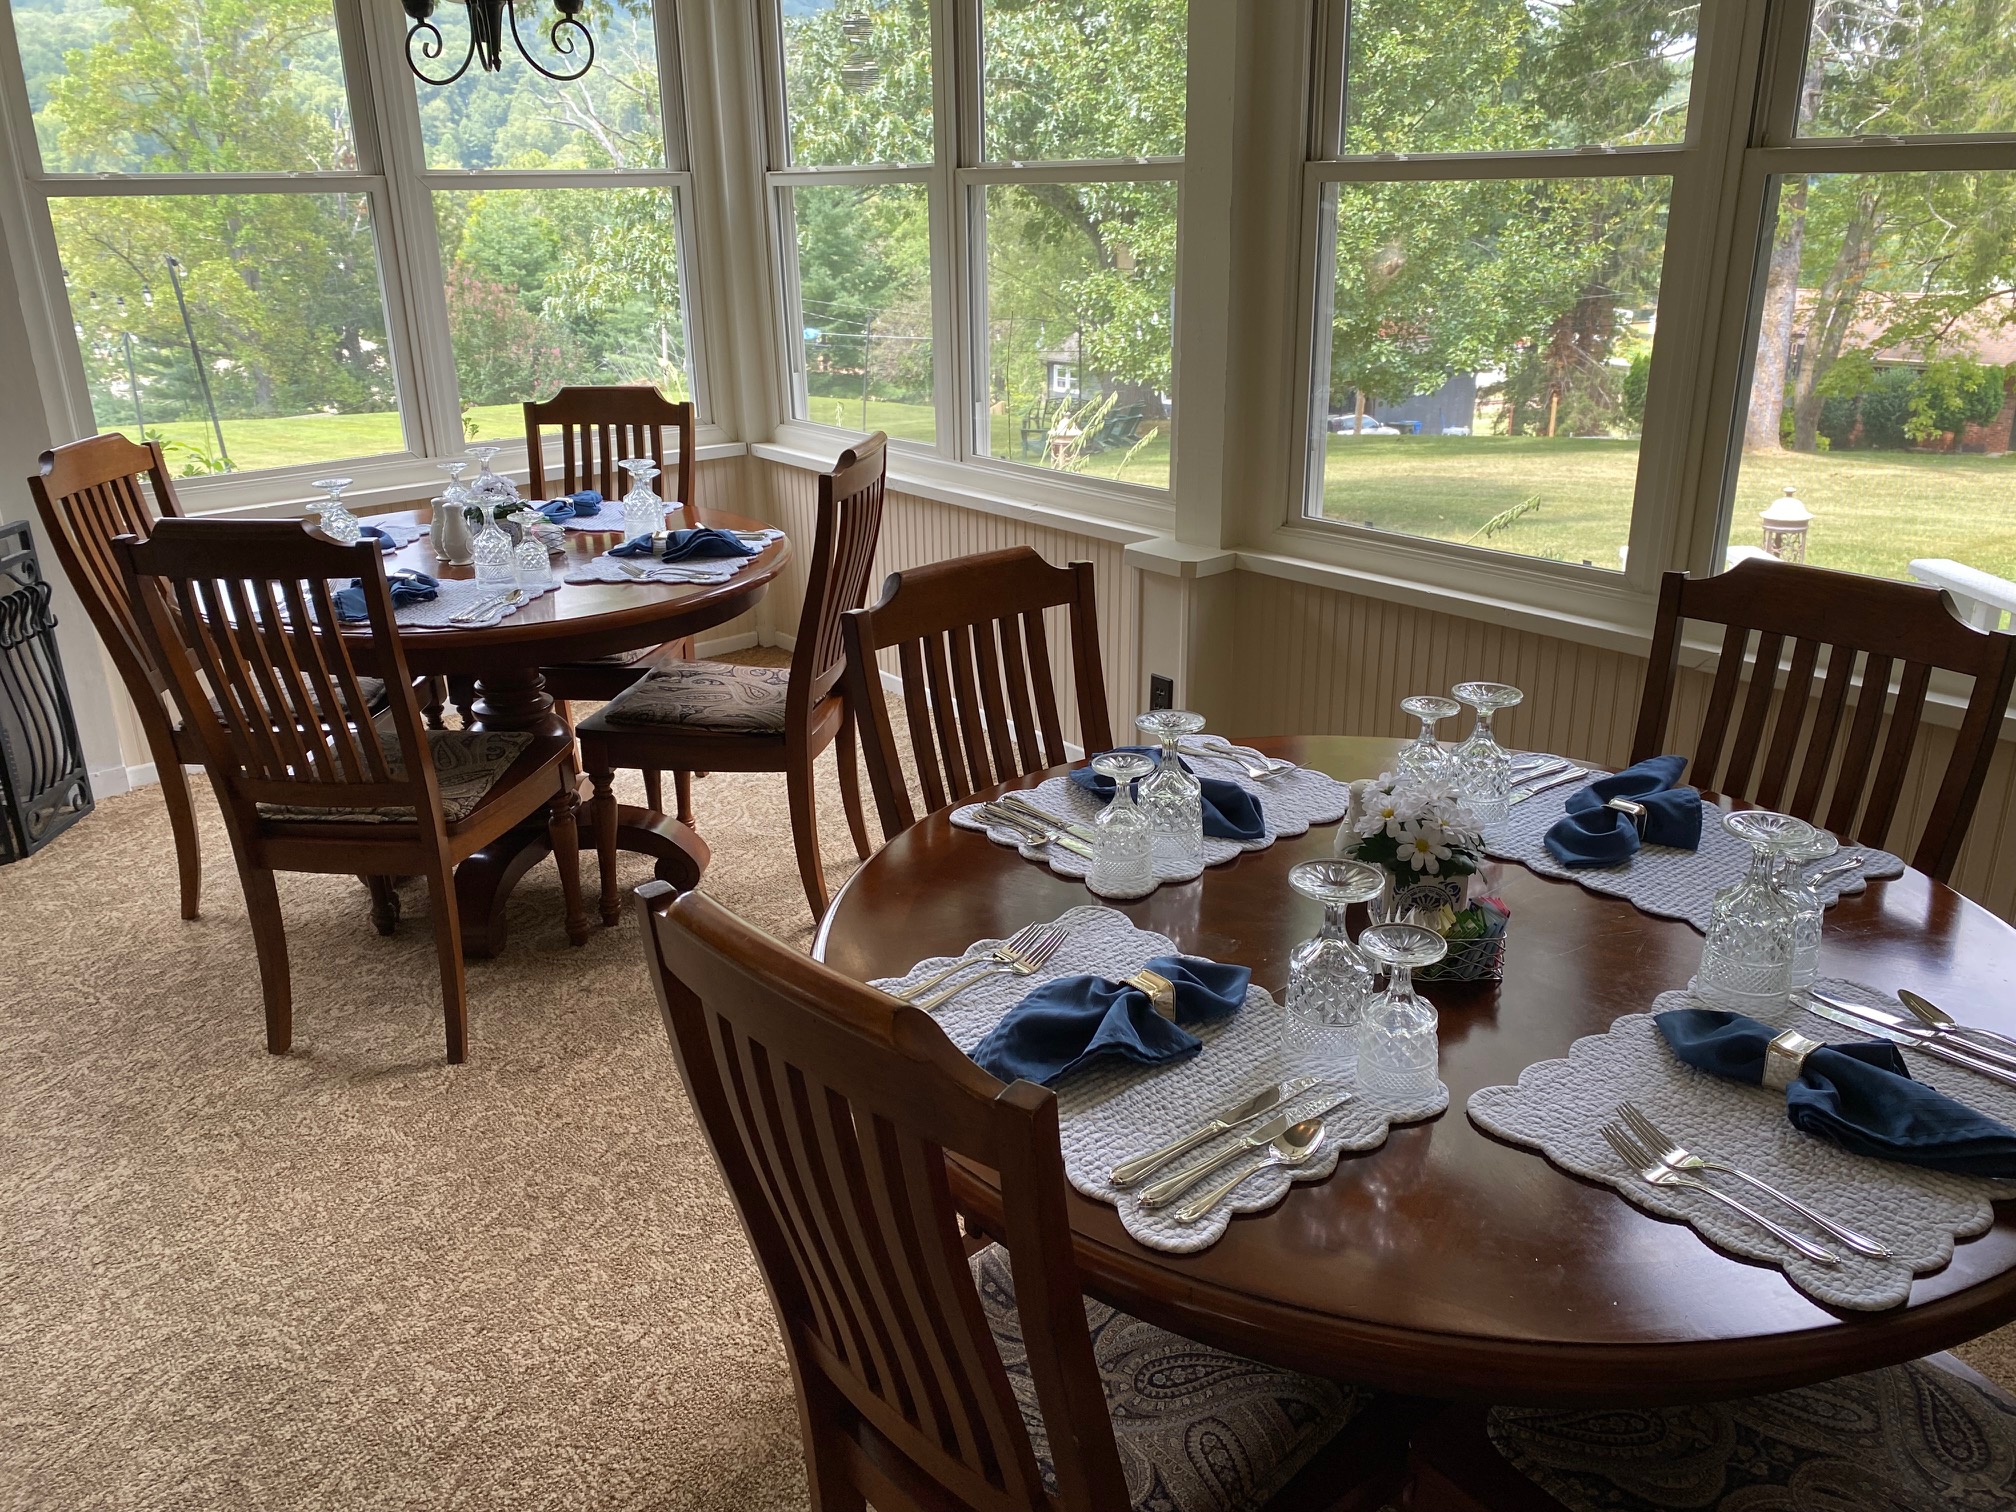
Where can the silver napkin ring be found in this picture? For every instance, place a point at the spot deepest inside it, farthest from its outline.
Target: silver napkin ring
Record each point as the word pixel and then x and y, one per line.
pixel 1785 1057
pixel 1635 812
pixel 1161 991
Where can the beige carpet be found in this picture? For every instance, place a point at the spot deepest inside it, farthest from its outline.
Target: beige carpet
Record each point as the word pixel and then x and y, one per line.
pixel 354 1278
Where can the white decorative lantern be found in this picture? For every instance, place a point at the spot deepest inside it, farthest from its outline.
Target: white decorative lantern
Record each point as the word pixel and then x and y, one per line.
pixel 1785 524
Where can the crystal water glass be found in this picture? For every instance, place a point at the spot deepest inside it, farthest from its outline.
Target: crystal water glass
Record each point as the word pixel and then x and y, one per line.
pixel 496 565
pixel 1423 759
pixel 337 522
pixel 1398 1052
pixel 1171 797
pixel 530 561
pixel 1483 768
pixel 1329 978
pixel 1123 845
pixel 643 510
pixel 1746 963
pixel 1795 880
pixel 489 487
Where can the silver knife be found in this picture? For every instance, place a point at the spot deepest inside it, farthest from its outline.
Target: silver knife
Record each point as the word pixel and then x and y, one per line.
pixel 1228 1117
pixel 1856 1016
pixel 1531 788
pixel 1169 1188
pixel 1033 832
pixel 1044 816
pixel 1917 1032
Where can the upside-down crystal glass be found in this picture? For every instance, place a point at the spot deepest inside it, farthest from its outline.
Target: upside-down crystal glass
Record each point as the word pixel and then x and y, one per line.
pixel 1123 846
pixel 643 510
pixel 495 565
pixel 1423 758
pixel 1171 797
pixel 1483 768
pixel 530 561
pixel 450 533
pixel 1329 978
pixel 1397 1047
pixel 1746 962
pixel 336 521
pixel 1795 880
pixel 487 486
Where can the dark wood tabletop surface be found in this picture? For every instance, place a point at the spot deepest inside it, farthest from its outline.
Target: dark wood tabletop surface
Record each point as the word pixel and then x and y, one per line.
pixel 1446 1262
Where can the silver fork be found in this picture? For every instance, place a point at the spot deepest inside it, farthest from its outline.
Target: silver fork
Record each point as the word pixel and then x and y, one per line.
pixel 479 610
pixel 1521 794
pixel 1671 1153
pixel 1008 950
pixel 1259 769
pixel 1044 817
pixel 1032 830
pixel 1652 1173
pixel 1028 961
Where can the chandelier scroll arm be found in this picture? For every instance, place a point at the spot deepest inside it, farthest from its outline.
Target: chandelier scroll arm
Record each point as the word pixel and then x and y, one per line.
pixel 562 43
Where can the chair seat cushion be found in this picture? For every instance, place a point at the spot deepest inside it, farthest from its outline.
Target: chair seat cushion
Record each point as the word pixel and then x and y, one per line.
pixel 1913 1437
pixel 1199 1430
pixel 467 764
pixel 372 689
pixel 706 695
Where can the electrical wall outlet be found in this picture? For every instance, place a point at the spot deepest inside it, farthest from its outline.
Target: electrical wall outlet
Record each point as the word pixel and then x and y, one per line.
pixel 1161 691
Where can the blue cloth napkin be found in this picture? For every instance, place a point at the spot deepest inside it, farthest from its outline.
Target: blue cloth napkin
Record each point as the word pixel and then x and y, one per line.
pixel 1590 834
pixel 682 545
pixel 373 533
pixel 1860 1095
pixel 576 506
pixel 407 588
pixel 1078 1021
pixel 1230 811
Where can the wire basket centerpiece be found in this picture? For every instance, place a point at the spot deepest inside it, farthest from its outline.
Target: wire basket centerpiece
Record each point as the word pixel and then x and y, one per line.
pixel 1430 847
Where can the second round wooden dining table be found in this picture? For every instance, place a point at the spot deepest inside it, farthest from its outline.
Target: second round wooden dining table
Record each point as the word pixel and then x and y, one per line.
pixel 573 623
pixel 1447 1263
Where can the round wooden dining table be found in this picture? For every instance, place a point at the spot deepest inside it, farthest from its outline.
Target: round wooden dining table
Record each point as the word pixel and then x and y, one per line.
pixel 1447 1263
pixel 576 622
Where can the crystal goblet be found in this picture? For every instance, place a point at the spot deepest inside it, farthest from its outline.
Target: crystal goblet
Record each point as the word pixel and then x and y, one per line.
pixel 1483 768
pixel 1746 962
pixel 487 486
pixel 1423 758
pixel 1795 880
pixel 1171 797
pixel 643 510
pixel 496 567
pixel 336 521
pixel 1123 846
pixel 1397 1047
pixel 1329 978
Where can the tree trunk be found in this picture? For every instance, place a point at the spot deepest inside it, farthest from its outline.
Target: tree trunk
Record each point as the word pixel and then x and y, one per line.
pixel 1834 311
pixel 1761 431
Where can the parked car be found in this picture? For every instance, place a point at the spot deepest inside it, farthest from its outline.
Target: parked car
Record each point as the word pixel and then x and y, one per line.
pixel 1347 425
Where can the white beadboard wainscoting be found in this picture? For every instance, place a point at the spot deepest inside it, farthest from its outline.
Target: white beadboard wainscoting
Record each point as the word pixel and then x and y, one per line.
pixel 1288 657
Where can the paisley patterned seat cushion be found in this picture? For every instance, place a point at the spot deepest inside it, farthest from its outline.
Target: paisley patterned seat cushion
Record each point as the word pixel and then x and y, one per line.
pixel 467 763
pixel 1899 1440
pixel 1199 1430
pixel 706 695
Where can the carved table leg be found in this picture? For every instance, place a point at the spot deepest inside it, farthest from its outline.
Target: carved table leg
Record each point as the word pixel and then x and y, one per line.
pixel 516 699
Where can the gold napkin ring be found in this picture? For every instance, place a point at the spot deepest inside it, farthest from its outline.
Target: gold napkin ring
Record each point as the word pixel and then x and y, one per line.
pixel 1785 1057
pixel 1161 991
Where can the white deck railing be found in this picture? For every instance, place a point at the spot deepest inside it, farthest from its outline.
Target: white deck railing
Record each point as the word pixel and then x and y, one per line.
pixel 1981 597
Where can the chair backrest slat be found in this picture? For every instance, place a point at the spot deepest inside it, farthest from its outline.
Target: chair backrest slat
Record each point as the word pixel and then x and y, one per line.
pixel 1854 767
pixel 832 1110
pixel 979 694
pixel 846 532
pixel 240 617
pixel 603 424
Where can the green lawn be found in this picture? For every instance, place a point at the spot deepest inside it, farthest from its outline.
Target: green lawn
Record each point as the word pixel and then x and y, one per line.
pixel 1873 511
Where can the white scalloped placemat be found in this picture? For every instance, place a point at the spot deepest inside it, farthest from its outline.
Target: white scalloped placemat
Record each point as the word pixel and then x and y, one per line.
pixel 457 595
pixel 1658 879
pixel 1558 1104
pixel 1111 1113
pixel 608 569
pixel 1289 804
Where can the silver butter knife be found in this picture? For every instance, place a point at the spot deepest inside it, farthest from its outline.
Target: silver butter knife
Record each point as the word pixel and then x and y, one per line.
pixel 1228 1117
pixel 1169 1188
pixel 1856 1016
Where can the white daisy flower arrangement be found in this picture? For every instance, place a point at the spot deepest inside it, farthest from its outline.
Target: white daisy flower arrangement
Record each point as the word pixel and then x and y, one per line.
pixel 1414 830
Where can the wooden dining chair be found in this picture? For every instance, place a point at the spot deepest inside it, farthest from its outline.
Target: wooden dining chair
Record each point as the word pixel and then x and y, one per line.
pixel 240 617
pixel 722 717
pixel 927 1377
pixel 599 425
pixel 1890 631
pixel 979 698
pixel 1930 1433
pixel 87 493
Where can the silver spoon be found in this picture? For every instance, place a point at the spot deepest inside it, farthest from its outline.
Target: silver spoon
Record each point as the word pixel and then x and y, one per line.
pixel 1292 1147
pixel 1929 1012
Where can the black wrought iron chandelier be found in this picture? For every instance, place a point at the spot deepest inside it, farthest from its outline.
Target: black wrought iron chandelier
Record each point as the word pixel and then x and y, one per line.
pixel 486 38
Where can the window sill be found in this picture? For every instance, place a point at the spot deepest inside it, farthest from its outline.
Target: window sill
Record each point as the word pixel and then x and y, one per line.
pixel 1047 502
pixel 381 483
